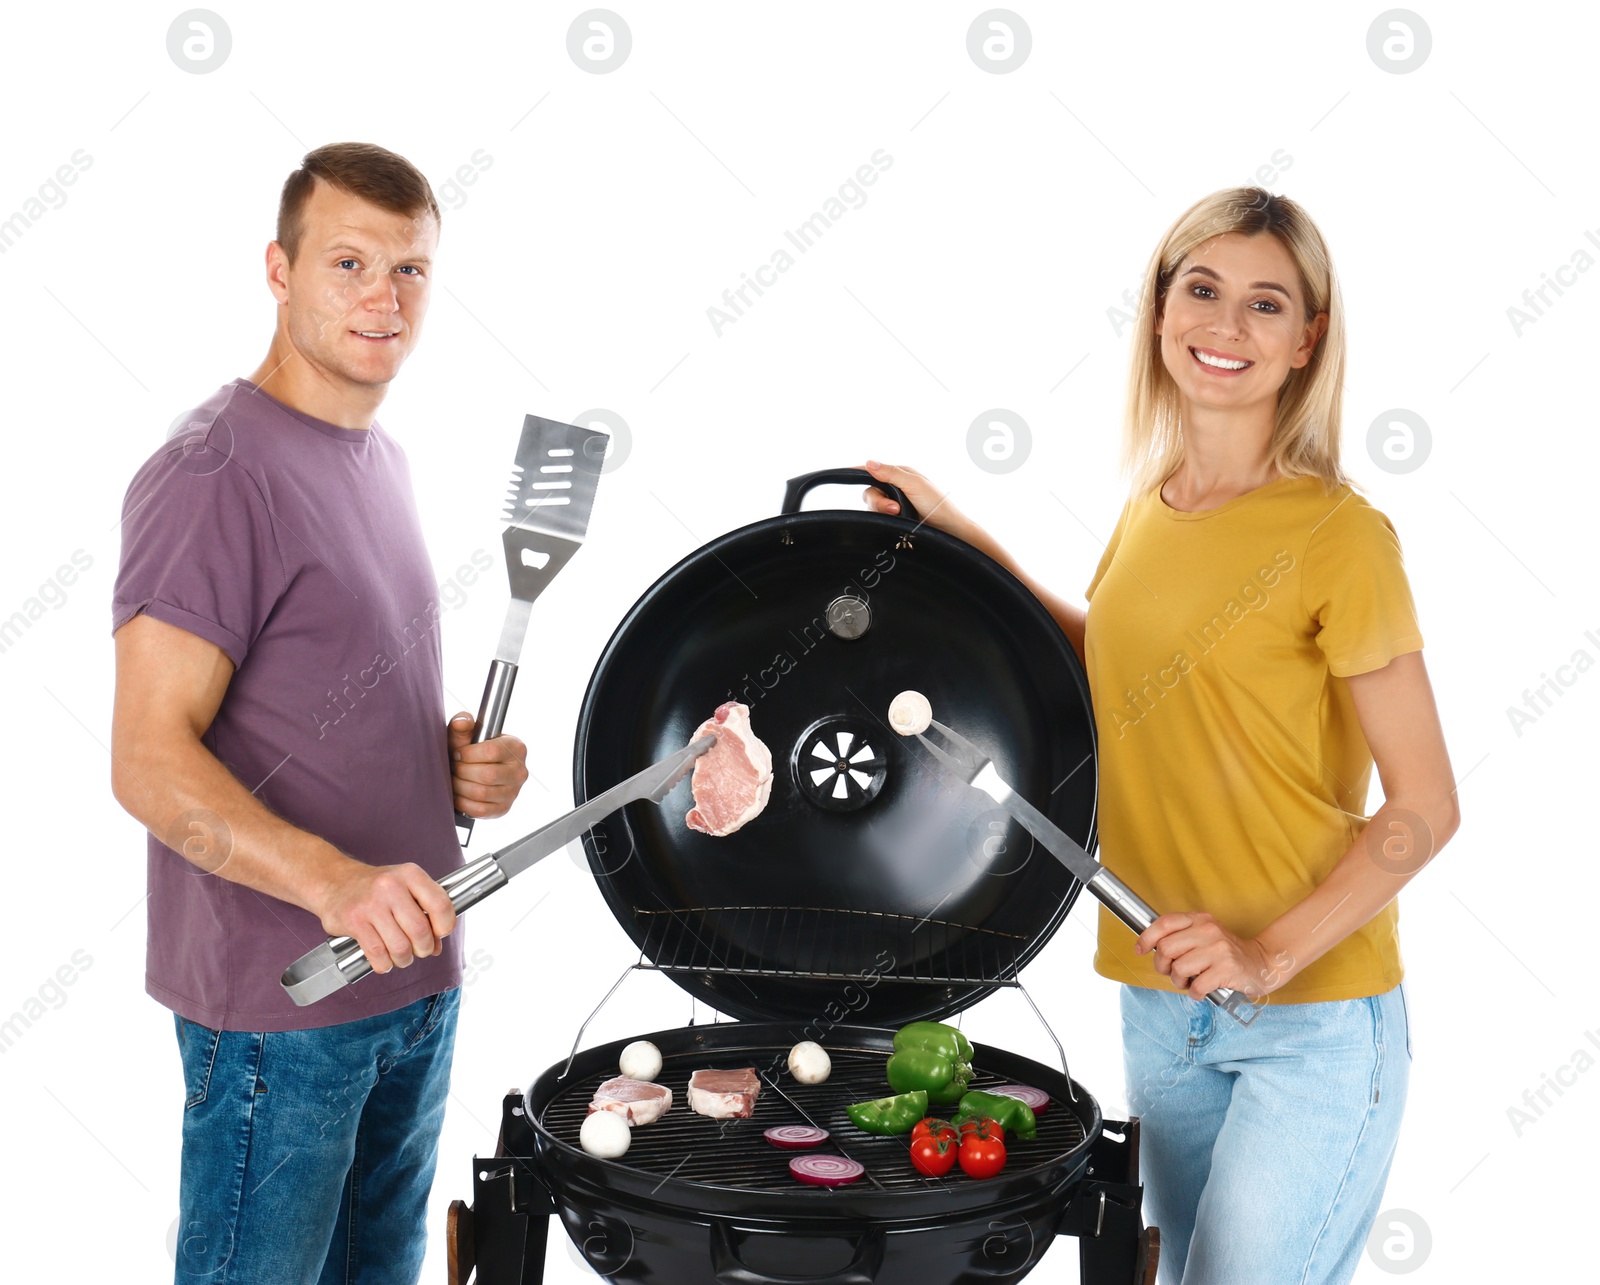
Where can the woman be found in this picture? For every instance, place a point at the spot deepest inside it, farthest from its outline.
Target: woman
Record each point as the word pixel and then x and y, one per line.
pixel 1252 649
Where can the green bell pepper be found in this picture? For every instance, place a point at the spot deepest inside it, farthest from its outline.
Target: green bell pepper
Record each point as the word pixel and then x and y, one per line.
pixel 936 1037
pixel 898 1114
pixel 1012 1114
pixel 932 1057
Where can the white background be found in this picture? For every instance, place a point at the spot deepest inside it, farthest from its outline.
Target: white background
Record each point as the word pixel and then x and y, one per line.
pixel 576 272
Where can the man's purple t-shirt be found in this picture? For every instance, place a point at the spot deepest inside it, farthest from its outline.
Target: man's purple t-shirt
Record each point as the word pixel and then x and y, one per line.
pixel 293 544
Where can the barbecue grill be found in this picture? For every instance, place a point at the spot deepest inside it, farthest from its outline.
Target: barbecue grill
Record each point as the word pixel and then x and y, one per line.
pixel 871 892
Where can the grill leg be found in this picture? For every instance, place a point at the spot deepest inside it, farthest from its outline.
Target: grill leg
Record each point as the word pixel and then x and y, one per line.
pixel 1105 1213
pixel 508 1225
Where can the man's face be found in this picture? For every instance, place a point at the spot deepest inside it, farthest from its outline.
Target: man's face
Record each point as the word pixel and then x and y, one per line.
pixel 358 291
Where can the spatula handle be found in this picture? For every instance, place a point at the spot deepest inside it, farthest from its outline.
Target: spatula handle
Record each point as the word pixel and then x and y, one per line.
pixel 491 718
pixel 496 696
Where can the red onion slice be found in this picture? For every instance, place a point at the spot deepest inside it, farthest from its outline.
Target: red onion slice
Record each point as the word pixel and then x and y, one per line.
pixel 825 1171
pixel 1037 1099
pixel 796 1137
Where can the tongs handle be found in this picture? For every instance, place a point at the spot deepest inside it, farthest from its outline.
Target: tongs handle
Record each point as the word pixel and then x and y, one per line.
pixel 339 961
pixel 491 718
pixel 1128 906
pixel 965 761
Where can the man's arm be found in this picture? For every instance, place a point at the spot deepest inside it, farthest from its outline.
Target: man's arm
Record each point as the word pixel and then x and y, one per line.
pixel 170 684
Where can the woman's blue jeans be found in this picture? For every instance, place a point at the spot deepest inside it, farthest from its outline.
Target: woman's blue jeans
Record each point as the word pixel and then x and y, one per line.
pixel 1264 1148
pixel 308 1156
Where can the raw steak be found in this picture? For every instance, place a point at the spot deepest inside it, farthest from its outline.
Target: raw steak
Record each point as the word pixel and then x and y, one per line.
pixel 723 1095
pixel 636 1101
pixel 734 777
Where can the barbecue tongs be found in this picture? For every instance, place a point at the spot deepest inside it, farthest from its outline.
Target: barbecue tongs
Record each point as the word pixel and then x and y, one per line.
pixel 546 513
pixel 339 961
pixel 965 760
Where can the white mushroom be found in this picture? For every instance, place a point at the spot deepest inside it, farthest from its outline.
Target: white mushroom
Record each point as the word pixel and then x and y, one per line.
pixel 809 1062
pixel 605 1134
pixel 641 1060
pixel 910 713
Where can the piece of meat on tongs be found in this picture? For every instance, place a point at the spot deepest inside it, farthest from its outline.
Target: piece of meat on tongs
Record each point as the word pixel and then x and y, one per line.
pixel 734 777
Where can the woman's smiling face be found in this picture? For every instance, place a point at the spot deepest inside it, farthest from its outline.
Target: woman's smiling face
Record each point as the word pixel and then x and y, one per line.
pixel 1233 325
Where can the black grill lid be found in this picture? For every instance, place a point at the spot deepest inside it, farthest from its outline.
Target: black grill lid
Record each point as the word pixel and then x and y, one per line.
pixel 872 887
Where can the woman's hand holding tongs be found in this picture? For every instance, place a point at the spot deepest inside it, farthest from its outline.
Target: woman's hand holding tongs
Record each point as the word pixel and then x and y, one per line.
pixel 1201 956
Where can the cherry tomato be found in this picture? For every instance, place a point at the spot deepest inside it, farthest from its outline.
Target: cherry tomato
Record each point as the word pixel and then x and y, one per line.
pixel 934 1156
pixel 934 1128
pixel 967 1124
pixel 983 1152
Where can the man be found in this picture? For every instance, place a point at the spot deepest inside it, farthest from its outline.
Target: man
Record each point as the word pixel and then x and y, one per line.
pixel 279 729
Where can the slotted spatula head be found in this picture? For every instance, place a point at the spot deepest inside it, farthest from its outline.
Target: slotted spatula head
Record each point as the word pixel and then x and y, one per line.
pixel 546 512
pixel 548 500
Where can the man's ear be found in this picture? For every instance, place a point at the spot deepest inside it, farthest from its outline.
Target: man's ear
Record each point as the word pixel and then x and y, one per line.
pixel 277 271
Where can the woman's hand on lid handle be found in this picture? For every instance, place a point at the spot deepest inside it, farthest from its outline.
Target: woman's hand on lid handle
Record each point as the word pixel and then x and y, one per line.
pixel 935 509
pixel 932 505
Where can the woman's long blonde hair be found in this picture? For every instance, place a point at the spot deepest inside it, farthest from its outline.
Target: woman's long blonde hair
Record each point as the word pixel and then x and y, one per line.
pixel 1305 439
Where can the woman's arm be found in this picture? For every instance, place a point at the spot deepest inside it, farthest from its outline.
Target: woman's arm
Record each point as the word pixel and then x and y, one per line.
pixel 1420 813
pixel 935 509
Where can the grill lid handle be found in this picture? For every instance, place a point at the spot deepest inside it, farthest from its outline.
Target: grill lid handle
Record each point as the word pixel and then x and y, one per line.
pixel 797 487
pixel 730 1269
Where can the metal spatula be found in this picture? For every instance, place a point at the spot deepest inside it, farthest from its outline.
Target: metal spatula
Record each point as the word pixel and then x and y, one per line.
pixel 547 515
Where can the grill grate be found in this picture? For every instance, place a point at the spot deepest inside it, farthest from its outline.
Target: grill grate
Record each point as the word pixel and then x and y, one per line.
pixel 842 945
pixel 732 1153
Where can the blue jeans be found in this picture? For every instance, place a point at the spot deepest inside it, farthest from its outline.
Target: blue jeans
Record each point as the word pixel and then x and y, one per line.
pixel 1265 1148
pixel 308 1155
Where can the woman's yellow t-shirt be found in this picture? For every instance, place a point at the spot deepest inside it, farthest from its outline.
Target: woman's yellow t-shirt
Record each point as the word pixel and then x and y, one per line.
pixel 1233 770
